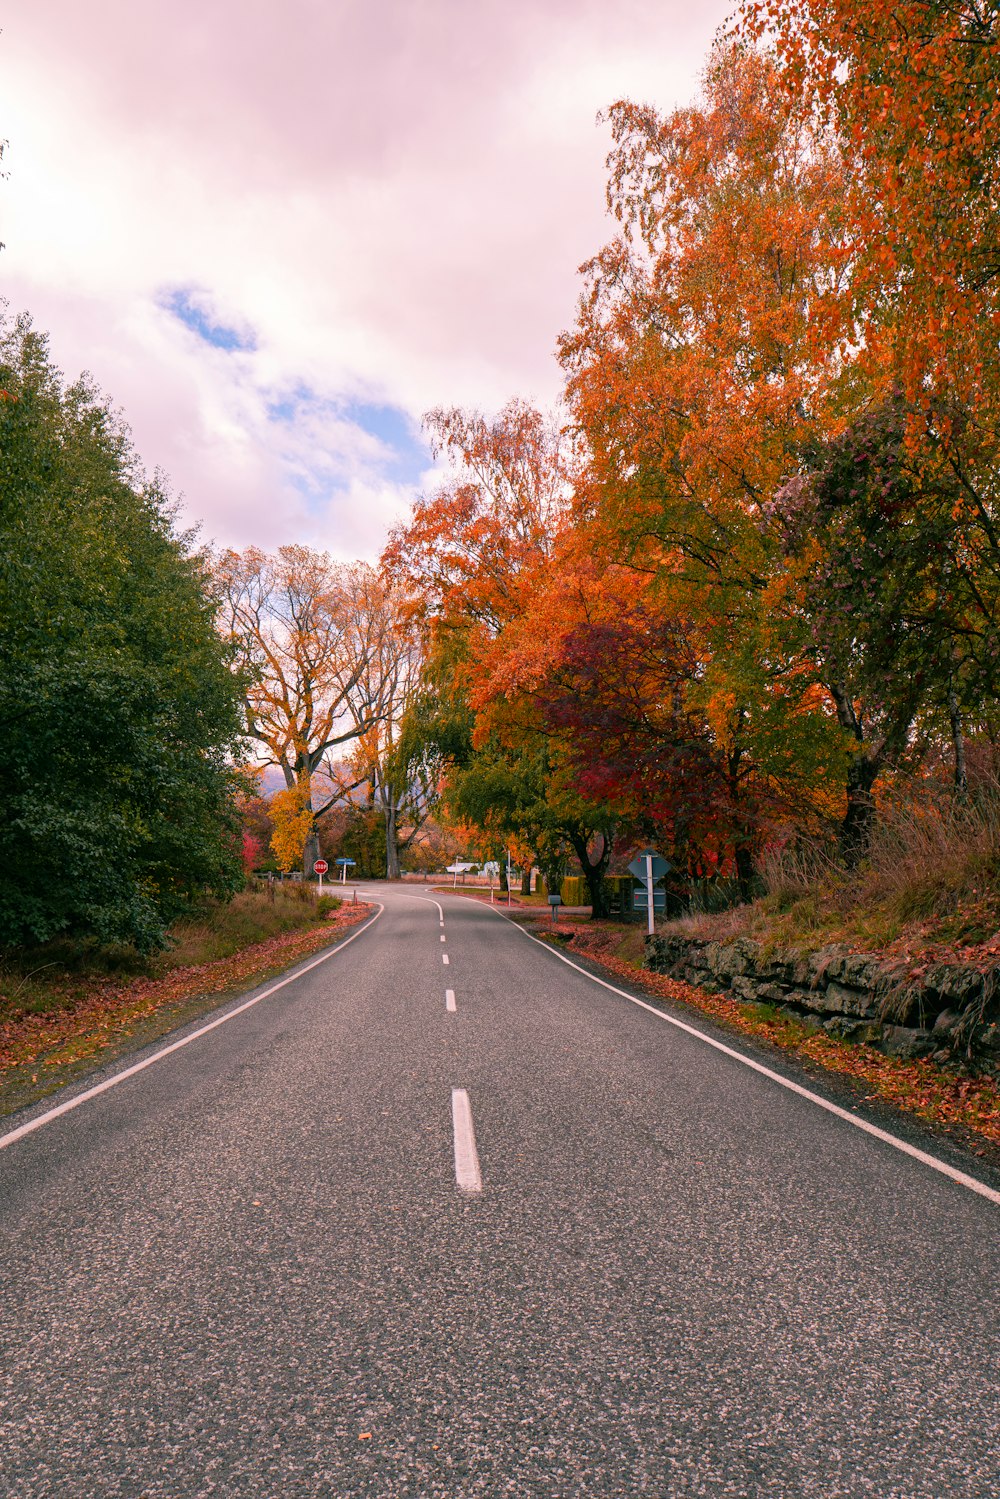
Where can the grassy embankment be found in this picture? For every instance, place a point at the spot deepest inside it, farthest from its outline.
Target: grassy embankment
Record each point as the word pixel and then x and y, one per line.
pixel 61 1009
pixel 928 889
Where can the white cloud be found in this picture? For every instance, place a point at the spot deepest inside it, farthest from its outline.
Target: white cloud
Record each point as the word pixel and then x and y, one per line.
pixel 394 199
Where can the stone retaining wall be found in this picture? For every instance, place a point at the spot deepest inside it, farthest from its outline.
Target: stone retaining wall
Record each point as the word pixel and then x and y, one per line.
pixel 945 1011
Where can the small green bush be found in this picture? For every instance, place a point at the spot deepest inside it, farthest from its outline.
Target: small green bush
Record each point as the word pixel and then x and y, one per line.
pixel 326 905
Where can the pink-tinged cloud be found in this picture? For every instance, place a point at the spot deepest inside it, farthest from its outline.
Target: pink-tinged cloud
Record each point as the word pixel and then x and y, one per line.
pixel 373 206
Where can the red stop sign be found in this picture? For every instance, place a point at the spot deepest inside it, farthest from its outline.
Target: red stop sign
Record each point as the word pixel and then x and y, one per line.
pixel 321 866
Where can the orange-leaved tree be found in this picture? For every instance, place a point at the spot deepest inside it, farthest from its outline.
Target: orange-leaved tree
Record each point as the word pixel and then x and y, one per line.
pixel 911 89
pixel 476 552
pixel 468 546
pixel 707 361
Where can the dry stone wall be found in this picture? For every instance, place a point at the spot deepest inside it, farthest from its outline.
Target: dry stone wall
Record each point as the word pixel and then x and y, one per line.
pixel 947 1012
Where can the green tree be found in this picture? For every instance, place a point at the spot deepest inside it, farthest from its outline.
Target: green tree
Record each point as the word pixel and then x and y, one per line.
pixel 900 589
pixel 119 709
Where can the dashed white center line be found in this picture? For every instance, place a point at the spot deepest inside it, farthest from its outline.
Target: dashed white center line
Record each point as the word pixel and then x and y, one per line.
pixel 445 958
pixel 467 1173
pixel 449 1000
pixel 442 936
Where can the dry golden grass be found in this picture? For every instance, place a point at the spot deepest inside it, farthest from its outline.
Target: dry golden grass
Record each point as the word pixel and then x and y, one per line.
pixel 930 882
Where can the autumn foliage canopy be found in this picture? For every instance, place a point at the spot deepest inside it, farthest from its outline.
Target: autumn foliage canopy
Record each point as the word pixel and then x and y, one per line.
pixel 748 574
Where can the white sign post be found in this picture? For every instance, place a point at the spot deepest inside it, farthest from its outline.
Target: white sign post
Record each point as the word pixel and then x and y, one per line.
pixel 648 867
pixel 320 867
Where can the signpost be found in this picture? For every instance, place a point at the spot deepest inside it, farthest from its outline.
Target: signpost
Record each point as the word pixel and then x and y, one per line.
pixel 648 868
pixel 320 867
pixel 343 863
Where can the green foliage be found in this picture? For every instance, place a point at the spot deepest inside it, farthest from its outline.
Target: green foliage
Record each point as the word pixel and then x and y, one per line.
pixel 363 840
pixel 902 573
pixel 119 710
pixel 617 891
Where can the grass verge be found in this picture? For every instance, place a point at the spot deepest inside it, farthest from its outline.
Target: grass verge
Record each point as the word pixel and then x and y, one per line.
pixel 928 887
pixel 60 1016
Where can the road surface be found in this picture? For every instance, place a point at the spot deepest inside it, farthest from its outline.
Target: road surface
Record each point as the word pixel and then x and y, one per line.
pixel 446 1217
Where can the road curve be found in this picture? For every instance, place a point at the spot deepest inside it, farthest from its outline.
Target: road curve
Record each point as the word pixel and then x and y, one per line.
pixel 448 1218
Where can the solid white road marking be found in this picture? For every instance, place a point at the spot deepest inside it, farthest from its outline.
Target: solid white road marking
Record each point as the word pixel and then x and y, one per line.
pixel 467 1173
pixel 165 1051
pixel 449 1000
pixel 445 958
pixel 960 1178
pixel 427 900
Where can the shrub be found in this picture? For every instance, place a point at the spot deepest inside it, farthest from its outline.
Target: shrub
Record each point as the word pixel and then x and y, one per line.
pixel 933 856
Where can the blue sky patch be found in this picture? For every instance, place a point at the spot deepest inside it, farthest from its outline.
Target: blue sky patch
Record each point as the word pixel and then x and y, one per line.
pixel 190 309
pixel 404 454
pixel 390 424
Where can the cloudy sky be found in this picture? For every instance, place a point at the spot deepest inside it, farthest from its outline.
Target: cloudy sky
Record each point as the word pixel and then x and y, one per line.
pixel 277 234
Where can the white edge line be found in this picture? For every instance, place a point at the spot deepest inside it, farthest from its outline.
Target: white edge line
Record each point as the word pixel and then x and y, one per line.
pixel 427 899
pixel 165 1051
pixel 959 1177
pixel 449 1000
pixel 467 1173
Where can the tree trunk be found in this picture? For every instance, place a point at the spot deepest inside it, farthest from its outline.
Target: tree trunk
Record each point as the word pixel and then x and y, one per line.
pixel 864 770
pixel 594 875
pixel 391 839
pixel 957 738
pixel 742 845
pixel 526 879
pixel 593 871
pixel 855 829
pixel 301 779
pixel 310 853
pixel 743 855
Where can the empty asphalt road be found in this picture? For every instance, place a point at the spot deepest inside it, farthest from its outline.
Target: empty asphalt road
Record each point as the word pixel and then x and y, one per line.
pixel 446 1217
